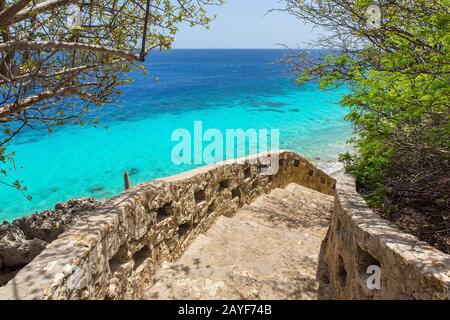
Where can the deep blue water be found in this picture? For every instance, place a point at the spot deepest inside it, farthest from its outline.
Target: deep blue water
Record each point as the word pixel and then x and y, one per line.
pixel 225 89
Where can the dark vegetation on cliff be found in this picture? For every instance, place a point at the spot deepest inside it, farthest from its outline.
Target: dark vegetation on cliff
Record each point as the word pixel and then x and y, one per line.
pixel 395 59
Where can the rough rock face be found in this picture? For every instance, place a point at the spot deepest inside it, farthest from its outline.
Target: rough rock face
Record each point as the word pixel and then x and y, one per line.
pixel 23 239
pixel 48 225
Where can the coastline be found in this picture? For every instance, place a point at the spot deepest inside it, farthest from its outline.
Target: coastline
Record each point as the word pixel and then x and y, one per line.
pixel 330 167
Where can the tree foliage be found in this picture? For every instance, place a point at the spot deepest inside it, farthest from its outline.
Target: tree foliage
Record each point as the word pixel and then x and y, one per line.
pixel 59 58
pixel 398 73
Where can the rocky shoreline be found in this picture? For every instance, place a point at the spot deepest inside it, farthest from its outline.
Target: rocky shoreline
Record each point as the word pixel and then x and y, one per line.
pixel 23 239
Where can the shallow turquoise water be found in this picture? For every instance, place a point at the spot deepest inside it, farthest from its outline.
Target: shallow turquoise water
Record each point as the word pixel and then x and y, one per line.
pixel 226 89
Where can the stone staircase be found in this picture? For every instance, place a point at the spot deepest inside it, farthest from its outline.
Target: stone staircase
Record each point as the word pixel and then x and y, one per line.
pixel 191 236
pixel 267 250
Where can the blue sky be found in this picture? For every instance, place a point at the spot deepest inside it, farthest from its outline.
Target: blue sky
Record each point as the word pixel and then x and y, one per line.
pixel 243 24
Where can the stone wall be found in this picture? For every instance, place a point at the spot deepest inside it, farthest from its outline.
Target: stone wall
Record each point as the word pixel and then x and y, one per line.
pixel 113 252
pixel 358 238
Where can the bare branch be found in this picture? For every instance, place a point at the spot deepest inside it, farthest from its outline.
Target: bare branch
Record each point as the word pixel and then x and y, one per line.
pixel 50 45
pixel 15 107
pixel 36 8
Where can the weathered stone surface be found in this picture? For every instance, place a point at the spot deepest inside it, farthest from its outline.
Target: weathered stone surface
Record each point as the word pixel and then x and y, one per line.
pixel 114 252
pixel 358 238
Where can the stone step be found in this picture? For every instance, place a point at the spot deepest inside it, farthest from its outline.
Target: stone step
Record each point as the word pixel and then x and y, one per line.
pixel 268 250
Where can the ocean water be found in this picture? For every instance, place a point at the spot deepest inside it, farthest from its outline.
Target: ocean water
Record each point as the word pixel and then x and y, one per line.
pixel 225 89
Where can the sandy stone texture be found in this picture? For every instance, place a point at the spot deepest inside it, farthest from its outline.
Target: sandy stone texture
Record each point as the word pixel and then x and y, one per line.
pixel 268 250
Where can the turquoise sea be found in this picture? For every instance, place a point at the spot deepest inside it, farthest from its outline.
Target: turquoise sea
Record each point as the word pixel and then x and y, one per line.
pixel 225 89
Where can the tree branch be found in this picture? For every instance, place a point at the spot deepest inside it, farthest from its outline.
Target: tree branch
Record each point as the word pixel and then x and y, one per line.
pixel 46 45
pixel 144 35
pixel 34 9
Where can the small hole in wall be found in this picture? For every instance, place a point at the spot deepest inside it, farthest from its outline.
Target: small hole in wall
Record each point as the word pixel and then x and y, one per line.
pixel 224 184
pixel 114 264
pixel 140 256
pixel 341 273
pixel 164 212
pixel 119 258
pixel 247 172
pixel 322 180
pixel 200 196
pixel 183 230
pixel 281 162
pixel 211 208
pixel 236 193
pixel 296 163
pixel 310 172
